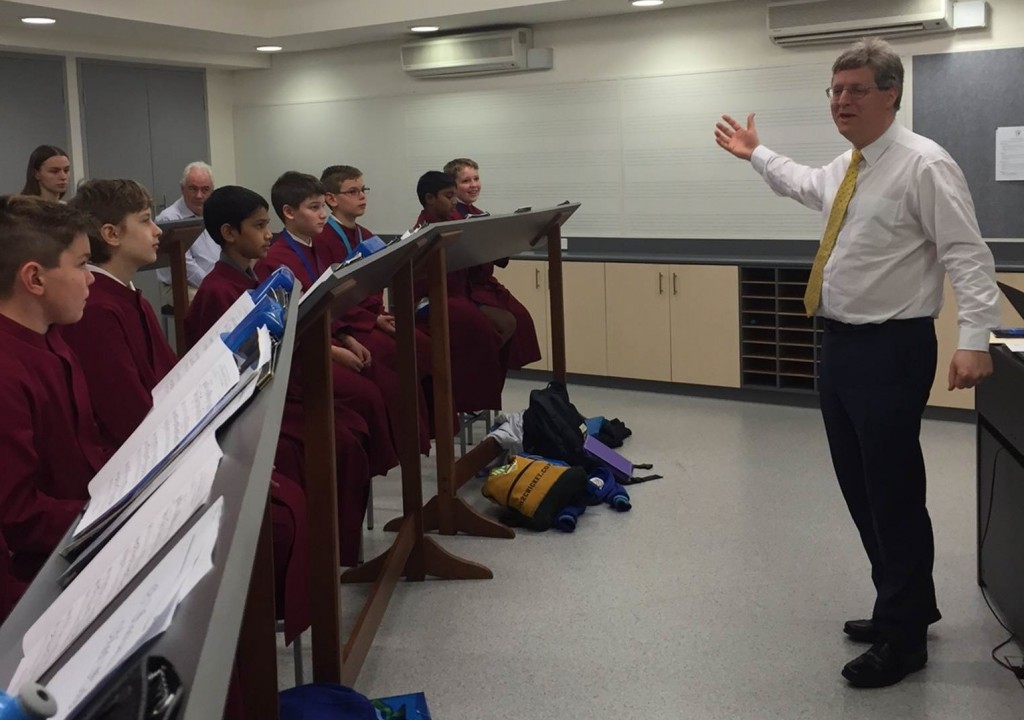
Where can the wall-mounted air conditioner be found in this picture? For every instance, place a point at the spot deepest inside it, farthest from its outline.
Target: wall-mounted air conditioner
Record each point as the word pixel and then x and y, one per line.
pixel 803 22
pixel 482 53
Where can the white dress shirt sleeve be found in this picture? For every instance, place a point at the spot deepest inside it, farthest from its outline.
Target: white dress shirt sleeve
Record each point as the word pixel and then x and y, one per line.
pixel 948 218
pixel 789 179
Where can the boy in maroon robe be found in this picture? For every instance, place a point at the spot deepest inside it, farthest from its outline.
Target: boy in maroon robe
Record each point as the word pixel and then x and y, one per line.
pixel 368 322
pixel 510 317
pixel 237 220
pixel 478 373
pixel 49 441
pixel 118 340
pixel 298 199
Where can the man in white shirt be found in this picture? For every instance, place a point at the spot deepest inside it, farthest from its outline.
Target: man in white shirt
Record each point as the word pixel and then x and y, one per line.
pixel 897 221
pixel 196 186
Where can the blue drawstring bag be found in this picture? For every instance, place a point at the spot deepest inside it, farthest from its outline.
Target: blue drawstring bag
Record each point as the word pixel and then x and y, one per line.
pixel 325 701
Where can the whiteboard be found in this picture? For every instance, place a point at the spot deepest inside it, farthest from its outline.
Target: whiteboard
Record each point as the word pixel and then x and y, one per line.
pixel 638 153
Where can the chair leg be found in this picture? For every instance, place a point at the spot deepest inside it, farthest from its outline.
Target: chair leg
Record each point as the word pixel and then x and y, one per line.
pixel 369 508
pixel 297 654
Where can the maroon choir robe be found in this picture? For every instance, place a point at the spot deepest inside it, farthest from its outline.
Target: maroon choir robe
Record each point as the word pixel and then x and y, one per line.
pixel 359 411
pixel 478 371
pixel 484 289
pixel 361 323
pixel 50 444
pixel 10 589
pixel 123 352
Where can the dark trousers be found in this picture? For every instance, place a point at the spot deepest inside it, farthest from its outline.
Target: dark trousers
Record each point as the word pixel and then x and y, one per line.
pixel 875 381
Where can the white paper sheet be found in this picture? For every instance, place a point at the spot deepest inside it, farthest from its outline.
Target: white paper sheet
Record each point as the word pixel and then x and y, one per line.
pixel 186 490
pixel 146 613
pixel 184 367
pixel 162 430
pixel 327 275
pixel 1010 153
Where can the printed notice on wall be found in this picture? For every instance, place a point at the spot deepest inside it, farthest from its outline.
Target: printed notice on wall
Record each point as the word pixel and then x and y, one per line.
pixel 1010 153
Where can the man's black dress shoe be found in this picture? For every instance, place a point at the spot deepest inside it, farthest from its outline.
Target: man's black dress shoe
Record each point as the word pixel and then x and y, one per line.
pixel 862 631
pixel 883 665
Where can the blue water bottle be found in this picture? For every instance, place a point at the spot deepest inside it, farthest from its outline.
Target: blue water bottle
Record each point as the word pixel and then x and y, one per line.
pixel 32 703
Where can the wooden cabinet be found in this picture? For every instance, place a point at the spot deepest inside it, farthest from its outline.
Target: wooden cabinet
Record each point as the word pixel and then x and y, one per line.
pixel 528 281
pixel 637 302
pixel 705 329
pixel 586 342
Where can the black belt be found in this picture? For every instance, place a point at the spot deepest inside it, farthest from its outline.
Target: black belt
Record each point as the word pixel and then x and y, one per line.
pixel 834 326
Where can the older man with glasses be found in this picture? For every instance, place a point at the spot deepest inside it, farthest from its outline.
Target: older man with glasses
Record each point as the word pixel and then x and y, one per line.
pixel 196 186
pixel 898 218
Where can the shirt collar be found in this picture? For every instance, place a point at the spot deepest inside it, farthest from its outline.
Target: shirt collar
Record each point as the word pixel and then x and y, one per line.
pixel 226 259
pixel 97 270
pixel 876 149
pixel 27 335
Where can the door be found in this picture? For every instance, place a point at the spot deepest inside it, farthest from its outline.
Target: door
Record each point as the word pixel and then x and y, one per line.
pixel 586 341
pixel 705 325
pixel 528 281
pixel 637 308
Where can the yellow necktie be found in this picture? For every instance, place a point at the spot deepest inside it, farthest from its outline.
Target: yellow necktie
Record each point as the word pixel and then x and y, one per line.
pixel 812 297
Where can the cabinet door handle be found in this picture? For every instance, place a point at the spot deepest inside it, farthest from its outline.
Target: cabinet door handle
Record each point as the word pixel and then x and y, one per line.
pixel 536 277
pixel 661 283
pixel 675 287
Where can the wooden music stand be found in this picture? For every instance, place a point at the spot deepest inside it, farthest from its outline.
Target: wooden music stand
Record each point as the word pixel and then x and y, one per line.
pixel 411 555
pixel 483 240
pixel 178 236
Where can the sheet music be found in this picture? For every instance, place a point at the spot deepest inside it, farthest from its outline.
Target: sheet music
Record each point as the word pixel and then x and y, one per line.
pixel 146 613
pixel 131 548
pixel 160 432
pixel 177 376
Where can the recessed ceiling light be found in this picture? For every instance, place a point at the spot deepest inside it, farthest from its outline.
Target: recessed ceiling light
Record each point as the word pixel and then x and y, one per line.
pixel 424 28
pixel 646 3
pixel 38 21
pixel 269 48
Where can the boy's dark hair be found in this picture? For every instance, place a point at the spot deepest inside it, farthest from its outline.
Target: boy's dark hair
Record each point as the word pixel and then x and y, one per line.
pixel 335 175
pixel 109 202
pixel 292 189
pixel 35 161
pixel 454 167
pixel 431 183
pixel 35 230
pixel 230 205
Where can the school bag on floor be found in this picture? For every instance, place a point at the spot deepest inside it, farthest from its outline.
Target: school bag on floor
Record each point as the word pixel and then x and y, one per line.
pixel 553 427
pixel 533 491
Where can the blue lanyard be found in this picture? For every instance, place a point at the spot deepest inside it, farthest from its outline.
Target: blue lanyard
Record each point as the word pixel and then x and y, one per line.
pixel 302 256
pixel 340 229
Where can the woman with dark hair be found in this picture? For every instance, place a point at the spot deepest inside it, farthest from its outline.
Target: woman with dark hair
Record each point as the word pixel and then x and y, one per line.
pixel 48 173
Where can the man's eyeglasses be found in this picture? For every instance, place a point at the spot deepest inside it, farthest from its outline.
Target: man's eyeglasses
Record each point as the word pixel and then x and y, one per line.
pixel 856 92
pixel 353 192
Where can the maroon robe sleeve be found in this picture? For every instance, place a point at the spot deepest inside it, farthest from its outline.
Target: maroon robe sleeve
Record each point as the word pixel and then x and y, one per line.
pixel 212 300
pixel 31 521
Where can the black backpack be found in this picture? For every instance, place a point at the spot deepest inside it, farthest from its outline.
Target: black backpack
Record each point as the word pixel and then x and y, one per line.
pixel 553 427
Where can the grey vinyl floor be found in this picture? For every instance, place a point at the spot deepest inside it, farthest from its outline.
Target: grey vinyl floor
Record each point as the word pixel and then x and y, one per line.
pixel 720 595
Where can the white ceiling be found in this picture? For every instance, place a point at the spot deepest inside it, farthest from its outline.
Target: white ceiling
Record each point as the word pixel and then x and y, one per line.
pixel 225 32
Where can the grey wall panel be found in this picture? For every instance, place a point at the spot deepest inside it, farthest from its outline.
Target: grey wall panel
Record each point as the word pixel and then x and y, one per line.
pixel 33 112
pixel 178 127
pixel 115 118
pixel 959 101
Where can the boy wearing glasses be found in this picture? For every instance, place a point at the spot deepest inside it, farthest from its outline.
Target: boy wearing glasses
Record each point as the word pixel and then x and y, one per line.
pixel 369 322
pixel 898 218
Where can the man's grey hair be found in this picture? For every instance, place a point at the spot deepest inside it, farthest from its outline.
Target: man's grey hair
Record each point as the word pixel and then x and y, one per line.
pixel 197 165
pixel 878 55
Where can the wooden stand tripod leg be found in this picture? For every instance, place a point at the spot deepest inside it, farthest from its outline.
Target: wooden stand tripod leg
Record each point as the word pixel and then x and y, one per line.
pixel 454 515
pixel 557 301
pixel 322 494
pixel 179 295
pixel 257 645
